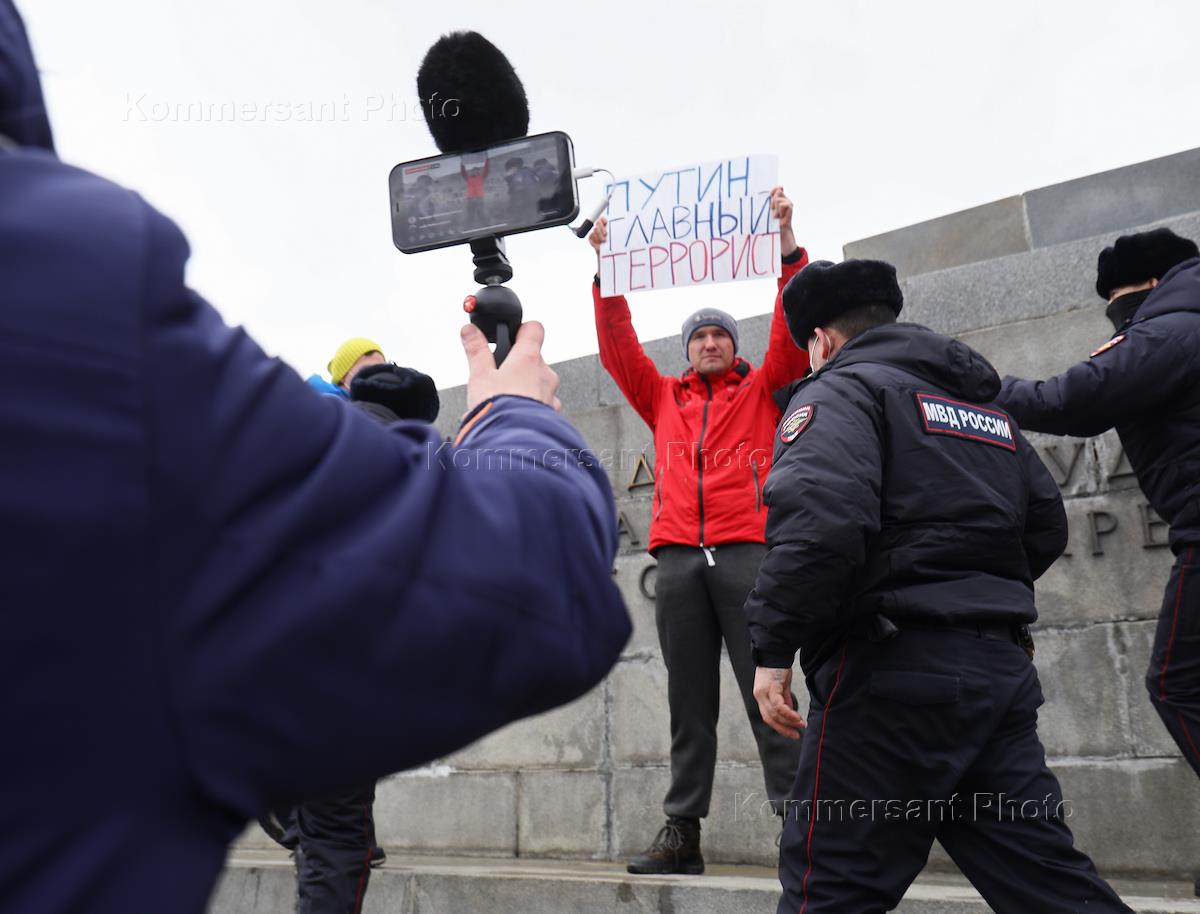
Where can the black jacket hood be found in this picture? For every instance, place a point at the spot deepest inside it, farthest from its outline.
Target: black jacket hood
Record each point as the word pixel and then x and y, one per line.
pixel 22 111
pixel 1179 290
pixel 942 361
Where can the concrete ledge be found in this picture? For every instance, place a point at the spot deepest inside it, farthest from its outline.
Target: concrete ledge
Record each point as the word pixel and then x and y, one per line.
pixel 1085 693
pixel 568 737
pixel 1133 816
pixel 261 883
pixel 562 814
pixel 1112 200
pixel 435 809
pixel 980 233
pixel 1106 203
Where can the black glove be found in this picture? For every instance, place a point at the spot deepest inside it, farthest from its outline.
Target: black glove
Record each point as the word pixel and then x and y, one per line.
pixel 407 393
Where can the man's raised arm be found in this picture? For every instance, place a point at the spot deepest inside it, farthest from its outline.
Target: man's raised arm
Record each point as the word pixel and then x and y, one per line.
pixel 621 352
pixel 784 361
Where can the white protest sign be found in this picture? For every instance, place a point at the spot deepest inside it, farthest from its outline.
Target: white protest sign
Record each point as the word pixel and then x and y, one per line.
pixel 688 226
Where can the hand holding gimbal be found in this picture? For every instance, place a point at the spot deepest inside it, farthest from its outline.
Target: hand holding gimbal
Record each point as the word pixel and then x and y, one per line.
pixel 524 374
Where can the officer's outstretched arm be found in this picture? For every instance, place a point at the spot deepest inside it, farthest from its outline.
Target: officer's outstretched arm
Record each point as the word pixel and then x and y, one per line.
pixel 1118 382
pixel 340 599
pixel 1045 533
pixel 823 493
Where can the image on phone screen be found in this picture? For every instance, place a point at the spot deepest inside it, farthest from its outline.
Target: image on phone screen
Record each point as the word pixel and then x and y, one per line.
pixel 517 186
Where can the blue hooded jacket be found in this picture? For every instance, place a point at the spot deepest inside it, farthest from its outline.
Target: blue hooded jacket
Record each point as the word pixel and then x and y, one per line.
pixel 319 384
pixel 221 591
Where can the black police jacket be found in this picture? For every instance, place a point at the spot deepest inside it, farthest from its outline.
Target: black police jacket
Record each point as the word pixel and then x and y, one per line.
pixel 895 492
pixel 1145 382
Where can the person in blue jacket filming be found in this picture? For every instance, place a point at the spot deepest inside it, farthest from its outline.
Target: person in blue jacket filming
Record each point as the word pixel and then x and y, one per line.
pixel 204 564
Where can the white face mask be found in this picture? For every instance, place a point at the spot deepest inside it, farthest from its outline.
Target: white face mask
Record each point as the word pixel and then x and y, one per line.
pixel 820 349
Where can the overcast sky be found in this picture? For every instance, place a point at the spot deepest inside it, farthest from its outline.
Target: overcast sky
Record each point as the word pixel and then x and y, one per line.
pixel 882 114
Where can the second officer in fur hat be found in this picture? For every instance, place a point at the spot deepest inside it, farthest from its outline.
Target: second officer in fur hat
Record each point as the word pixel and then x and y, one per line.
pixel 1145 383
pixel 907 523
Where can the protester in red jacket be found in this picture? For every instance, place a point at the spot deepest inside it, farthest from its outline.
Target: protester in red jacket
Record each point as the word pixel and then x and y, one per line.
pixel 714 429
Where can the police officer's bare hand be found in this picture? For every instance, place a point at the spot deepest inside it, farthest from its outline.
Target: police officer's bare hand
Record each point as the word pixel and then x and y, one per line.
pixel 523 374
pixel 599 234
pixel 781 207
pixel 773 691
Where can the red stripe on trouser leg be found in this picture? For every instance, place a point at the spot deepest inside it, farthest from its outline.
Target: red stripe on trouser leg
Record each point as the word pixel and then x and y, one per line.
pixel 1162 676
pixel 812 822
pixel 362 877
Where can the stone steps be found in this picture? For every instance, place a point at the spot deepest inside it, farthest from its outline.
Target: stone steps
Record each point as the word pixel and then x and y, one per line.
pixel 262 882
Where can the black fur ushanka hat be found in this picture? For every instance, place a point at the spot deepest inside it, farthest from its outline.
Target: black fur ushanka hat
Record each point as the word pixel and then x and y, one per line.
pixel 1135 259
pixel 823 291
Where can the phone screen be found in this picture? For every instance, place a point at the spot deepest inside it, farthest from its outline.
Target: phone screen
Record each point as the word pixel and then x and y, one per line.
pixel 516 186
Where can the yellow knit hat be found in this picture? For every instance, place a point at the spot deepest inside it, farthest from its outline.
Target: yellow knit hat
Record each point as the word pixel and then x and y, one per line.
pixel 348 353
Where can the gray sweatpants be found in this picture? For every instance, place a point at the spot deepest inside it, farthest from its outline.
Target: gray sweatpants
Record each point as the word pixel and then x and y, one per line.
pixel 696 607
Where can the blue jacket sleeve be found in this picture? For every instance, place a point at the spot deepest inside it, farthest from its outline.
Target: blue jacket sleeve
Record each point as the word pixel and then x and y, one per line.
pixel 1112 386
pixel 823 494
pixel 344 599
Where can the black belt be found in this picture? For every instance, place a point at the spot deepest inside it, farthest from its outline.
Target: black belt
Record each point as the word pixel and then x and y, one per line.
pixel 994 631
pixel 880 628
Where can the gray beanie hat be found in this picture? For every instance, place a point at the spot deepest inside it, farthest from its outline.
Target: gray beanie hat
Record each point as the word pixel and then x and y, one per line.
pixel 709 317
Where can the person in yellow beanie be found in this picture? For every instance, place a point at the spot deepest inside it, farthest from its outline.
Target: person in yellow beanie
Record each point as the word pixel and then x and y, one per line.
pixel 332 837
pixel 350 358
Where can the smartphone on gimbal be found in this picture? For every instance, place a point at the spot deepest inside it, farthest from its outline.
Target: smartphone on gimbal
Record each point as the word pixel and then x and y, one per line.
pixel 517 186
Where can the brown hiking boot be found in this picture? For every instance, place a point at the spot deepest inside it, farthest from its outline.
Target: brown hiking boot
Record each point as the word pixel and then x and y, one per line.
pixel 676 849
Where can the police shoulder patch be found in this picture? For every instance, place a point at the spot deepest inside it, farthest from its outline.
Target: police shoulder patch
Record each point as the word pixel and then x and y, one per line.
pixel 1109 345
pixel 943 416
pixel 796 422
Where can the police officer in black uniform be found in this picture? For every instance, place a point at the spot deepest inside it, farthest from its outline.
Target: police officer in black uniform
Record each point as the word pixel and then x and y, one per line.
pixel 907 524
pixel 1145 382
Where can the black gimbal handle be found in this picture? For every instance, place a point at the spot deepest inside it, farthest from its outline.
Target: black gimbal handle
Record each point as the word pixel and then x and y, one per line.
pixel 496 311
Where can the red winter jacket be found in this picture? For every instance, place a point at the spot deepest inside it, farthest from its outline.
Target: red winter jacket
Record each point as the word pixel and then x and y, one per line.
pixel 712 438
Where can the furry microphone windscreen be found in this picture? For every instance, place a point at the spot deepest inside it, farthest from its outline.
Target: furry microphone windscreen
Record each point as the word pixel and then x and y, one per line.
pixel 470 94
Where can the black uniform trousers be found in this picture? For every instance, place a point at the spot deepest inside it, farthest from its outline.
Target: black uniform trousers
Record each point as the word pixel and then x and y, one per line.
pixel 336 835
pixel 929 735
pixel 1173 678
pixel 697 605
